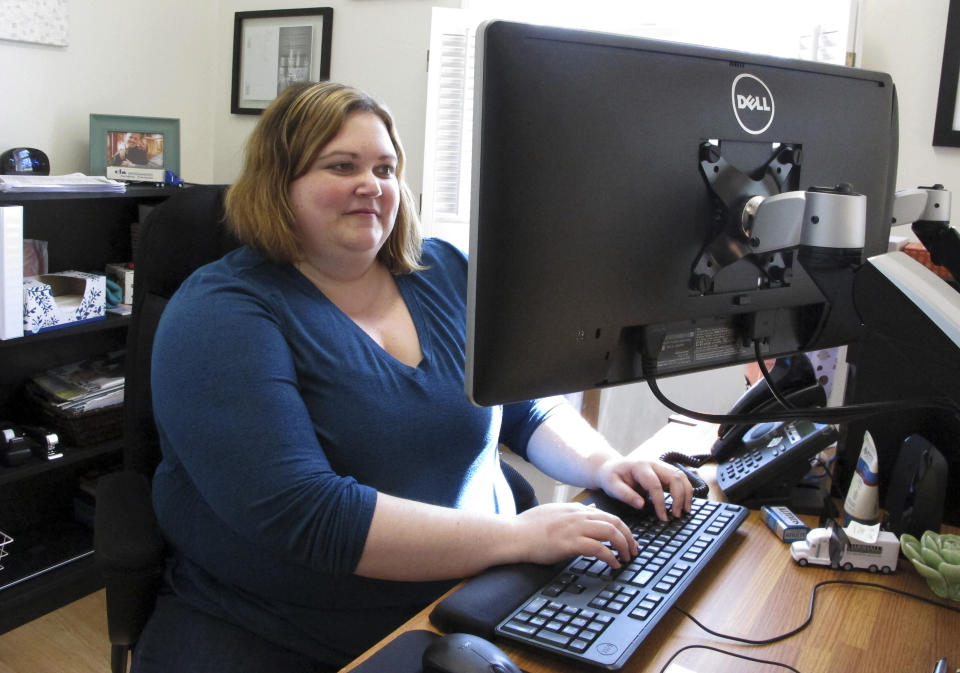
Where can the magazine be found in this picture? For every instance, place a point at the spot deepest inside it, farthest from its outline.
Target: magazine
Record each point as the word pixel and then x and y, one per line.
pixel 83 386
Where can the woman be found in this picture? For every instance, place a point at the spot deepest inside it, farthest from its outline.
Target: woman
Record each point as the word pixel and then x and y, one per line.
pixel 323 475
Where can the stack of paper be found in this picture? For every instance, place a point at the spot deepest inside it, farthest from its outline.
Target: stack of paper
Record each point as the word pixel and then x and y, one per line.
pixel 74 182
pixel 84 386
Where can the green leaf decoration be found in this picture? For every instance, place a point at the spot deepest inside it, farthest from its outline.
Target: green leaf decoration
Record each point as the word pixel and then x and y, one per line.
pixel 937 558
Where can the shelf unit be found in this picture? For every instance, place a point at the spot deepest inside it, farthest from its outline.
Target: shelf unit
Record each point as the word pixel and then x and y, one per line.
pixel 50 560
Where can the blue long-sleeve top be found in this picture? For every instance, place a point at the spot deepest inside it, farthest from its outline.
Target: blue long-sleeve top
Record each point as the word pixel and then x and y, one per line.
pixel 280 420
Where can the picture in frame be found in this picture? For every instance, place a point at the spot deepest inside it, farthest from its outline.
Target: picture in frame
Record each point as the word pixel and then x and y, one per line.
pixel 272 49
pixel 135 143
pixel 946 128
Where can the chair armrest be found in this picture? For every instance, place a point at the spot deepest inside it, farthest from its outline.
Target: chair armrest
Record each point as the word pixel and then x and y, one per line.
pixel 126 535
pixel 524 496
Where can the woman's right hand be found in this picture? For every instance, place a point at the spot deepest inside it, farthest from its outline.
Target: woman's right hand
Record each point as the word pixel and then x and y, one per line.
pixel 553 532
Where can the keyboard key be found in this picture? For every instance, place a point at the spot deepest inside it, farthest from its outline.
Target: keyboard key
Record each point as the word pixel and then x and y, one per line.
pixel 553 638
pixel 514 626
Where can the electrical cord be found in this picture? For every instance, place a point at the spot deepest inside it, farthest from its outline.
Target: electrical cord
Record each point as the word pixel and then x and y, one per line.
pixel 737 655
pixel 771 384
pixel 684 463
pixel 832 415
pixel 801 627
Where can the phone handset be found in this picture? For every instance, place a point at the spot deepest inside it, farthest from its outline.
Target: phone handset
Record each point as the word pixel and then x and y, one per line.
pixel 795 380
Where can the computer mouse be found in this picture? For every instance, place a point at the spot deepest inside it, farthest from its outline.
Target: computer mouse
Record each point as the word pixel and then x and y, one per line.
pixel 465 653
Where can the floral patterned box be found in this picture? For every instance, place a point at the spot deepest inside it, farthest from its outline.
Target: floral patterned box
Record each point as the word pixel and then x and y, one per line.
pixel 61 299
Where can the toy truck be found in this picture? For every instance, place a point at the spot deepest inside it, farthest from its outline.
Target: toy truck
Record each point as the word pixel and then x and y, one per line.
pixel 834 548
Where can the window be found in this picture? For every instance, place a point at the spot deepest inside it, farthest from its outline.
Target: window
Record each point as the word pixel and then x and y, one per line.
pixel 822 30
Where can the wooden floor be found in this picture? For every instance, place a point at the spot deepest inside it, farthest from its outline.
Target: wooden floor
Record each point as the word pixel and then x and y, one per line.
pixel 72 639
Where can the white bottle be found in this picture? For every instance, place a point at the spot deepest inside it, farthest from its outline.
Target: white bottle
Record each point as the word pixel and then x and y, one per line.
pixel 862 503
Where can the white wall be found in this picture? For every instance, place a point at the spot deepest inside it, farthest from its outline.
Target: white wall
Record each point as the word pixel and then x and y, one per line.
pixel 906 40
pixel 174 59
pixel 124 58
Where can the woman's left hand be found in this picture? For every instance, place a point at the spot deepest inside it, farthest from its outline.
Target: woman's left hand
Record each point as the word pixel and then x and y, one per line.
pixel 628 479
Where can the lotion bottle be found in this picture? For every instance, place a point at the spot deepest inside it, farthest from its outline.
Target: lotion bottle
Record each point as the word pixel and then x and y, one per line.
pixel 862 503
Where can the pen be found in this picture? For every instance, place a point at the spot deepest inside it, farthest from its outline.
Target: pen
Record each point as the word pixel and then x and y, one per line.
pixel 940 666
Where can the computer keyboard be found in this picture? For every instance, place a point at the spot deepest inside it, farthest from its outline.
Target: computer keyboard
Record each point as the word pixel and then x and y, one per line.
pixel 595 614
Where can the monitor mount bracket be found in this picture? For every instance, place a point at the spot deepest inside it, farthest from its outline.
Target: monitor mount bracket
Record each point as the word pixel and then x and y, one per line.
pixel 826 226
pixel 742 231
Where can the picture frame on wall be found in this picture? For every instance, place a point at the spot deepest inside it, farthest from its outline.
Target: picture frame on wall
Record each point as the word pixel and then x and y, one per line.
pixel 946 128
pixel 272 49
pixel 138 149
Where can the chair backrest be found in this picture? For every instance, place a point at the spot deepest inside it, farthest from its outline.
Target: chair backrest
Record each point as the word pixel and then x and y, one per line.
pixel 179 235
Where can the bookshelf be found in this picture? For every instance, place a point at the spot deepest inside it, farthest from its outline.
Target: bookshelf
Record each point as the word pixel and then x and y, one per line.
pixel 42 504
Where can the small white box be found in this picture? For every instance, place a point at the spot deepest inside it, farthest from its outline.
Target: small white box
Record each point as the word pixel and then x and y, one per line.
pixel 122 274
pixel 784 523
pixel 61 299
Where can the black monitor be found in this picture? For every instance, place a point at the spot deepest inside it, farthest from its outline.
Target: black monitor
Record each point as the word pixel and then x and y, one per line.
pixel 609 177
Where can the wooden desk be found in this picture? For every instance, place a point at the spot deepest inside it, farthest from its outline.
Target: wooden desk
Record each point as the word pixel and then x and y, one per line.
pixel 753 589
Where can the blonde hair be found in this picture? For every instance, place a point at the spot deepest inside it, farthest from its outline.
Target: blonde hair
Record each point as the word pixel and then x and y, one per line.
pixel 289 136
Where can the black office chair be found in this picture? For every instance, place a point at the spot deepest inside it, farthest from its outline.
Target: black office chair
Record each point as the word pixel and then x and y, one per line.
pixel 180 235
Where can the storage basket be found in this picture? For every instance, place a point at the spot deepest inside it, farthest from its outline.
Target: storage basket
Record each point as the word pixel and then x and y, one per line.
pixel 84 429
pixel 4 541
pixel 87 429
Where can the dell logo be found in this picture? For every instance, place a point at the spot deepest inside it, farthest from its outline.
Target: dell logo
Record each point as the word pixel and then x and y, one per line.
pixel 752 104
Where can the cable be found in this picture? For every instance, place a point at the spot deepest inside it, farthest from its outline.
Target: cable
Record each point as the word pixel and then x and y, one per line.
pixel 771 384
pixel 729 654
pixel 806 622
pixel 683 462
pixel 831 415
pixel 792 632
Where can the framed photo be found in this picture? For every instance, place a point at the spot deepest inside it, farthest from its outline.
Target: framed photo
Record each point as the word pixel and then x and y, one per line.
pixel 272 49
pixel 946 127
pixel 134 143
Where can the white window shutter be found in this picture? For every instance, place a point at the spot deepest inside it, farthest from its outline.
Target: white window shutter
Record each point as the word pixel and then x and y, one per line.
pixel 445 202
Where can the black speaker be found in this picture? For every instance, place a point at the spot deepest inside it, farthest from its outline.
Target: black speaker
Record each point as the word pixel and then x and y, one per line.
pixel 918 488
pixel 24 161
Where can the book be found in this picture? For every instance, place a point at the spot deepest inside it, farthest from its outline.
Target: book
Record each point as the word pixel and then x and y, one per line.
pixel 11 272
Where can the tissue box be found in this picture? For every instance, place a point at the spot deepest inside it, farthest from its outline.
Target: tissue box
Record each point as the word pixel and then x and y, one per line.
pixel 61 299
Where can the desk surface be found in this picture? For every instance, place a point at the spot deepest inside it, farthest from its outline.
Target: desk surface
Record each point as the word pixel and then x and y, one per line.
pixel 752 589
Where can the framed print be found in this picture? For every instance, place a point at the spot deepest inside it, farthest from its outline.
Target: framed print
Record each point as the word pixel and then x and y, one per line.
pixel 946 128
pixel 38 21
pixel 141 144
pixel 272 49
